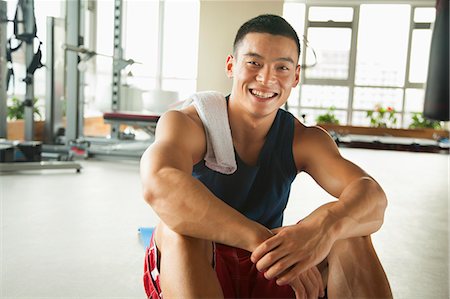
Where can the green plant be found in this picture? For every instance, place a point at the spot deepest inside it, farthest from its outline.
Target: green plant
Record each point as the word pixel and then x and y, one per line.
pixel 328 117
pixel 419 122
pixel 382 117
pixel 16 110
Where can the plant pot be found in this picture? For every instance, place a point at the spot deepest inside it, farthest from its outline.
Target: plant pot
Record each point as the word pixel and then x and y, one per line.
pixel 16 130
pixel 410 133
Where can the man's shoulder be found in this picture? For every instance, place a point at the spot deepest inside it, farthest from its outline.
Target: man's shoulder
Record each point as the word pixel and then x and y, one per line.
pixel 306 133
pixel 184 119
pixel 310 141
pixel 183 130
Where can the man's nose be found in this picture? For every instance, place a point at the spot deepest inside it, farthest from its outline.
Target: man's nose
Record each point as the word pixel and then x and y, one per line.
pixel 265 76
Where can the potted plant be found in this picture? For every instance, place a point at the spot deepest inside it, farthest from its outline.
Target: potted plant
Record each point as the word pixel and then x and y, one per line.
pixel 382 117
pixel 420 122
pixel 328 117
pixel 16 124
pixel 383 121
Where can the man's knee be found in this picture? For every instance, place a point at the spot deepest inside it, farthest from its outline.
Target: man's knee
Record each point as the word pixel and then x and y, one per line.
pixel 171 243
pixel 353 246
pixel 356 271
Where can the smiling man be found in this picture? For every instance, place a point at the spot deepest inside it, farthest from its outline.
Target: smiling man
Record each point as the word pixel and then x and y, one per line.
pixel 221 235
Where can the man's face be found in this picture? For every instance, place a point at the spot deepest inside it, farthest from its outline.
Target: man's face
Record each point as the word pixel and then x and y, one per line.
pixel 264 70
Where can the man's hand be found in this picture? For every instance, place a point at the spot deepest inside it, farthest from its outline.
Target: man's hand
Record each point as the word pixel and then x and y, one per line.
pixel 293 250
pixel 308 284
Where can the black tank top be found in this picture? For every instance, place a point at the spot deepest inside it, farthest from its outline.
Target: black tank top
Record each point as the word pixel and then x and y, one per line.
pixel 259 192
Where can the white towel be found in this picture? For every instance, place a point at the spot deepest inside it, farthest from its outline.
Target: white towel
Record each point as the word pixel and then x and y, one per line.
pixel 212 108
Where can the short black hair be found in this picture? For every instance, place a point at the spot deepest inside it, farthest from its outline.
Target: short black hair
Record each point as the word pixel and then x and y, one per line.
pixel 267 23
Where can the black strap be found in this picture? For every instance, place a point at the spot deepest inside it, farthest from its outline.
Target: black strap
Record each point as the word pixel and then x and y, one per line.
pixel 36 63
pixel 10 72
pixel 22 36
pixel 19 30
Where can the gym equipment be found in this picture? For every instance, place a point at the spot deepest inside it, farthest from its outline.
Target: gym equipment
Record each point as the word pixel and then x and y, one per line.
pixel 27 155
pixel 436 105
pixel 145 234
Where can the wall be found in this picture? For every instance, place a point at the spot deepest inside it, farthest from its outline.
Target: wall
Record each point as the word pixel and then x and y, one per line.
pixel 219 22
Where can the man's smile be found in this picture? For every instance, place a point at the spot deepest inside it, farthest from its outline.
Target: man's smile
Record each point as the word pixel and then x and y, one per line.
pixel 262 94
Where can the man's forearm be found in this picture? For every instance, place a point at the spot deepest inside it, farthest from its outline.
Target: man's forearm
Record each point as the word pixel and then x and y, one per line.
pixel 358 212
pixel 187 207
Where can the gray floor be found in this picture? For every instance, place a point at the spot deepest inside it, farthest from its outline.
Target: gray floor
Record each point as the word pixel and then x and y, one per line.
pixel 68 235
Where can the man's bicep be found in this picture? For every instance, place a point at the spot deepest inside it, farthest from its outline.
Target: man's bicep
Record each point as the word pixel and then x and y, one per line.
pixel 177 142
pixel 326 165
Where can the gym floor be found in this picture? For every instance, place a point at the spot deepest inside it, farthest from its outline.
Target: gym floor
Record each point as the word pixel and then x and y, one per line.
pixel 69 235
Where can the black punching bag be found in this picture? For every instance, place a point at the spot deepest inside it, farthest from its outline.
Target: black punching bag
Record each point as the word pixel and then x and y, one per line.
pixel 436 93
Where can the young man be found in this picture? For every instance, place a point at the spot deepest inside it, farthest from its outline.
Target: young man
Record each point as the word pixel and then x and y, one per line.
pixel 221 235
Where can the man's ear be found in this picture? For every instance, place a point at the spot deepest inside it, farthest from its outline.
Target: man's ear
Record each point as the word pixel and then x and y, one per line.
pixel 229 66
pixel 297 76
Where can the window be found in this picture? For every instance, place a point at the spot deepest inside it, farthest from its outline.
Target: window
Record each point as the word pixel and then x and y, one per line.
pixel 167 62
pixel 361 62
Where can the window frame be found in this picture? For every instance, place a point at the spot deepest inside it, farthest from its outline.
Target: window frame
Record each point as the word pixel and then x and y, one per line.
pixel 354 26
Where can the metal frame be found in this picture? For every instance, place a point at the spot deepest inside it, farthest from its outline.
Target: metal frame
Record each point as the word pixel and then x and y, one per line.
pixel 349 82
pixel 28 18
pixel 28 14
pixel 3 71
pixel 116 73
pixel 72 74
pixel 54 92
pixel 21 166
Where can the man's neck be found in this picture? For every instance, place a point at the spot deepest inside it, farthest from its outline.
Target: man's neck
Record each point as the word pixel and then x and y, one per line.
pixel 245 127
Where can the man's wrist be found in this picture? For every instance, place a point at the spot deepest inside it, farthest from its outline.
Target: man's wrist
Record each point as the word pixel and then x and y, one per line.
pixel 257 234
pixel 334 222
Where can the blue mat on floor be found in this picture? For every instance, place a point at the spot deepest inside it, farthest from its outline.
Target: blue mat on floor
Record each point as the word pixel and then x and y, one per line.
pixel 145 233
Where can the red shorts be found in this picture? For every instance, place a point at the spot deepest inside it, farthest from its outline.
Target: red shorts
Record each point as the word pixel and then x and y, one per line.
pixel 237 274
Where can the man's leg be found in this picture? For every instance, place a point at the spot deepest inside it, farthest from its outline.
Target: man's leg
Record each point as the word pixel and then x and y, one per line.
pixel 354 271
pixel 185 266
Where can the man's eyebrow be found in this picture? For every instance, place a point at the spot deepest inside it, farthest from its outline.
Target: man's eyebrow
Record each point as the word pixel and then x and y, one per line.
pixel 256 55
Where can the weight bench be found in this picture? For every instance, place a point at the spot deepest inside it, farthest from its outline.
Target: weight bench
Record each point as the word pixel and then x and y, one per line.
pixel 145 121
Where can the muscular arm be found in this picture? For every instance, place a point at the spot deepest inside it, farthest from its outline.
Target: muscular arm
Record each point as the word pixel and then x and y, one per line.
pixel 358 210
pixel 183 203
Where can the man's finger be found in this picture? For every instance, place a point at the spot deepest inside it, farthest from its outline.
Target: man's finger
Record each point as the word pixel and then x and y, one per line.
pixel 299 289
pixel 309 284
pixel 318 276
pixel 288 276
pixel 276 230
pixel 277 267
pixel 264 248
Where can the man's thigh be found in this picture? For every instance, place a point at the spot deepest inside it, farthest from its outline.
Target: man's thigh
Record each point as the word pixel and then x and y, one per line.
pixel 184 265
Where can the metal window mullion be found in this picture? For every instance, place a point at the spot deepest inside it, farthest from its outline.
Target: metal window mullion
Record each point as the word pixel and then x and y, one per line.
pixel 330 24
pixel 415 85
pixel 408 61
pixel 302 72
pixel 317 81
pixel 352 64
pixel 160 54
pixel 420 25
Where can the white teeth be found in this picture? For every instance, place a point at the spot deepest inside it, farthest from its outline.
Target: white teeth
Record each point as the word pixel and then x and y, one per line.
pixel 262 94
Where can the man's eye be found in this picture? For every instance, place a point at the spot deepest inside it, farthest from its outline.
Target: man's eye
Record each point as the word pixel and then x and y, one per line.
pixel 253 63
pixel 284 68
